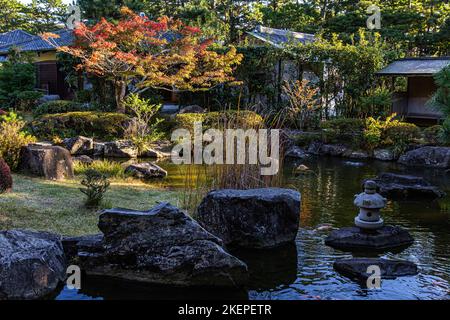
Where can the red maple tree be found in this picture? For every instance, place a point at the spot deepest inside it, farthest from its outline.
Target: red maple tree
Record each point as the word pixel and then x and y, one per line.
pixel 164 54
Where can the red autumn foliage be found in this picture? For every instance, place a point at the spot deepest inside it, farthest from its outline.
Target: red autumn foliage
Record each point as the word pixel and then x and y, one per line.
pixel 164 54
pixel 6 181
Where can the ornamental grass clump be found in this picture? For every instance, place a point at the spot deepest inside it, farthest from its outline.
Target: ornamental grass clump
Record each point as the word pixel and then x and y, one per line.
pixel 96 185
pixel 6 181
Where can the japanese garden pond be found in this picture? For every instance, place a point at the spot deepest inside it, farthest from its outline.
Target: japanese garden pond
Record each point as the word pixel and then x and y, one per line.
pixel 304 270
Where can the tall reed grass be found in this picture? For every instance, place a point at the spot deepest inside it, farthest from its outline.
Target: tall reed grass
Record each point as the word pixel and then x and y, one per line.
pixel 200 179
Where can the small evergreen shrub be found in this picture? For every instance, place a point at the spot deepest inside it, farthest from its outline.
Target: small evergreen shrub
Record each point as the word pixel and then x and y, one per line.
pixel 96 185
pixel 60 106
pixel 100 125
pixel 432 135
pixel 6 181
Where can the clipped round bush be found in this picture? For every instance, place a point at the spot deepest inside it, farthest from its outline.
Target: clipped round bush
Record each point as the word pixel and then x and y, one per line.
pixel 100 125
pixel 6 181
pixel 401 132
pixel 61 106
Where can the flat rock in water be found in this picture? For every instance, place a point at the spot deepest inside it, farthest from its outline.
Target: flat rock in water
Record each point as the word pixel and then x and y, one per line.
pixel 255 218
pixel 354 238
pixel 162 246
pixel 32 264
pixel 50 162
pixel 435 157
pixel 296 152
pixel 398 186
pixel 356 268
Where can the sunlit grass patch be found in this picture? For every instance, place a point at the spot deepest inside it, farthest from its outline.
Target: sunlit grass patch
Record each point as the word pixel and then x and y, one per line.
pixel 59 206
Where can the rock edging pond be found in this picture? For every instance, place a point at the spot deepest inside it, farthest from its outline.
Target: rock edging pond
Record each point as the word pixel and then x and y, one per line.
pixel 161 246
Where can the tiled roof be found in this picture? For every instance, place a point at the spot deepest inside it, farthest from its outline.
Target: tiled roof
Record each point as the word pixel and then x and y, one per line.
pixel 15 36
pixel 424 66
pixel 27 42
pixel 279 37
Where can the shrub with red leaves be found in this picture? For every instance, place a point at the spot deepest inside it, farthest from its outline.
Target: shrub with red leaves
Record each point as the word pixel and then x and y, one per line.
pixel 5 177
pixel 3 112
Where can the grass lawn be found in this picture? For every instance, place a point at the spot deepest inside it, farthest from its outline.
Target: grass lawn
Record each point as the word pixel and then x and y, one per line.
pixel 58 206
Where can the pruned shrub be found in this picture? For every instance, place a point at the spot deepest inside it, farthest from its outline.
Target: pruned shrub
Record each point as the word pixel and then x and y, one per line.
pixel 28 100
pixel 83 96
pixel 12 139
pixel 238 119
pixel 432 135
pixel 96 184
pixel 61 106
pixel 100 125
pixel 6 181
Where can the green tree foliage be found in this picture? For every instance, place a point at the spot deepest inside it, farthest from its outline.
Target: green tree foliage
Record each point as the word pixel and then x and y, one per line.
pixel 12 16
pixel 37 16
pixel 16 75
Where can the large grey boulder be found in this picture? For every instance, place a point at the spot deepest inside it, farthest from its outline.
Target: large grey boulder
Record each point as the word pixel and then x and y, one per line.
pixel 398 186
pixel 120 149
pixel 50 162
pixel 162 245
pixel 356 268
pixel 146 171
pixel 354 238
pixel 256 218
pixel 435 157
pixel 32 264
pixel 384 154
pixel 79 145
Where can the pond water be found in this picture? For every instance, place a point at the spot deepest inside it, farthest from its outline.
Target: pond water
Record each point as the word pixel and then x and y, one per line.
pixel 304 270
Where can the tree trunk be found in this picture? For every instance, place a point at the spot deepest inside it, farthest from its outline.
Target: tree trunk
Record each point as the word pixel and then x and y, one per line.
pixel 120 90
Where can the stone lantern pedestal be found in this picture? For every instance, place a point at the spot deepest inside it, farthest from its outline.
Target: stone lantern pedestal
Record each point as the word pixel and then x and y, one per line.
pixel 369 232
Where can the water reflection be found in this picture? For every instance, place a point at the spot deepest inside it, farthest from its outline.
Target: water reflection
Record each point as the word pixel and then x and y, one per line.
pixel 305 270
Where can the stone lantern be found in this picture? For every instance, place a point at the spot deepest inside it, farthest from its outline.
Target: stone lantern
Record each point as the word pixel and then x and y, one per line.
pixel 369 203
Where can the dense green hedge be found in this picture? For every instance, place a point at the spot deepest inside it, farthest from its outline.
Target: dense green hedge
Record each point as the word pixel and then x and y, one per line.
pixel 369 133
pixel 60 106
pixel 227 119
pixel 101 125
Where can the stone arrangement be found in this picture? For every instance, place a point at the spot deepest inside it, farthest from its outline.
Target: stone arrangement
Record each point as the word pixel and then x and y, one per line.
pixel 50 162
pixel 32 264
pixel 255 218
pixel 370 234
pixel 161 246
pixel 405 187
